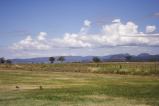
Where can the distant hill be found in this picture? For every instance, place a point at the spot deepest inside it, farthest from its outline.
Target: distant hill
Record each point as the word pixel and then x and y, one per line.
pixel 117 57
pixel 84 59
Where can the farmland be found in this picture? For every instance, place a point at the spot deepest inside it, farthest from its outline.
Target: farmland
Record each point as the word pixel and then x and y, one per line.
pixel 133 68
pixel 77 84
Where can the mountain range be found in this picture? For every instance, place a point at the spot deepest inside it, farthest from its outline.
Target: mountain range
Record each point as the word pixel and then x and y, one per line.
pixel 85 59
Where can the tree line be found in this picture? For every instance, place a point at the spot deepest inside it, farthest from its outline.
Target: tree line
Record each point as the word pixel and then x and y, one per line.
pixel 52 59
pixel 62 58
pixel 5 61
pixel 94 59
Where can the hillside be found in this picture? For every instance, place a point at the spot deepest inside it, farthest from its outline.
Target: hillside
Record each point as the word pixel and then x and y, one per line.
pixel 85 59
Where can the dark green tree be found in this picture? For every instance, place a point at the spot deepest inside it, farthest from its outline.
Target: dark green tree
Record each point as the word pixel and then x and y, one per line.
pixel 2 60
pixel 128 58
pixel 96 59
pixel 51 59
pixel 8 61
pixel 61 59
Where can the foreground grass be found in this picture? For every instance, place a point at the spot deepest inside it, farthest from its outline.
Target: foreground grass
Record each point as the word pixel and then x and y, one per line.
pixel 76 89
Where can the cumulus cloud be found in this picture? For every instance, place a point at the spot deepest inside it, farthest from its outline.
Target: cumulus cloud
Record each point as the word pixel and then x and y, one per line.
pixel 150 29
pixel 87 23
pixel 28 43
pixel 116 20
pixel 114 34
pixel 86 26
pixel 42 36
pixel 72 41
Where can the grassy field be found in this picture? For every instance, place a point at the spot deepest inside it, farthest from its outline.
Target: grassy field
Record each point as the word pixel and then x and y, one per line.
pixel 66 88
pixel 129 68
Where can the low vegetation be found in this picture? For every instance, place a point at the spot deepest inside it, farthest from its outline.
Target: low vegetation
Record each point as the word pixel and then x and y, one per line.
pixel 80 84
pixel 133 68
pixel 43 88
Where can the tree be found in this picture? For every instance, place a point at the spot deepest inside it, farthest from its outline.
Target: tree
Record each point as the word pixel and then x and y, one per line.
pixel 51 59
pixel 2 60
pixel 61 59
pixel 128 58
pixel 8 61
pixel 96 59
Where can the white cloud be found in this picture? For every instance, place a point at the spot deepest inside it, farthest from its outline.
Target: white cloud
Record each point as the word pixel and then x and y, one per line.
pixel 116 21
pixel 150 29
pixel 86 26
pixel 87 23
pixel 72 40
pixel 29 43
pixel 114 34
pixel 42 36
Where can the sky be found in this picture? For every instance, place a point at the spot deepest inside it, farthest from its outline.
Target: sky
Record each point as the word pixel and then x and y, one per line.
pixel 42 28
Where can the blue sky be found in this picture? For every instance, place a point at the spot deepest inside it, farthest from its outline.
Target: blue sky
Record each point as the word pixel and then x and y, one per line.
pixel 56 20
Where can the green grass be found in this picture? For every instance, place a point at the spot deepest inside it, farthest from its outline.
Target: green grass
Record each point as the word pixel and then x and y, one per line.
pixel 76 89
